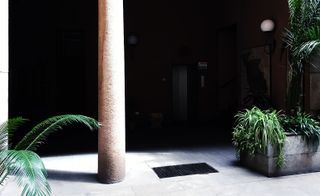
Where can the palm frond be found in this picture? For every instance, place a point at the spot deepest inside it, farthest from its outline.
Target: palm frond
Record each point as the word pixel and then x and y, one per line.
pixel 3 169
pixel 6 130
pixel 28 170
pixel 288 38
pixel 312 32
pixel 304 32
pixel 41 131
pixel 307 48
pixel 295 10
pixel 4 136
pixel 303 41
pixel 312 12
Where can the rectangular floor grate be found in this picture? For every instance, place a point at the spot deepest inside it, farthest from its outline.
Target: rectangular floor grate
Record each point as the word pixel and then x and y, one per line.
pixel 183 170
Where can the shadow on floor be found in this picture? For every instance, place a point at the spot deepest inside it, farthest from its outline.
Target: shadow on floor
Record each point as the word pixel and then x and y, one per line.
pixel 72 176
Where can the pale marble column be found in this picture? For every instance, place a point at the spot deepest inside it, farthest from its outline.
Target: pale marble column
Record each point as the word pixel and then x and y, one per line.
pixel 111 137
pixel 4 68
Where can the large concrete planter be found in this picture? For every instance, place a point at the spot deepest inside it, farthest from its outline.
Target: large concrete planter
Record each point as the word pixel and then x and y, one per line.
pixel 300 157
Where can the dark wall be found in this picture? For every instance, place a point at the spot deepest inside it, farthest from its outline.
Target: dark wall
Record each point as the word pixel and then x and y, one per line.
pixel 53 55
pixel 185 32
pixel 170 33
pixel 254 12
pixel 53 66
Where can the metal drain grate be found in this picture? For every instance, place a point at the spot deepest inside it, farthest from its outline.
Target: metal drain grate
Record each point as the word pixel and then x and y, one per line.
pixel 183 170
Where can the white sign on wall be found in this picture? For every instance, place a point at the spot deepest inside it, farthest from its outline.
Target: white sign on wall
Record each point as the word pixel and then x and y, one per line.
pixel 4 67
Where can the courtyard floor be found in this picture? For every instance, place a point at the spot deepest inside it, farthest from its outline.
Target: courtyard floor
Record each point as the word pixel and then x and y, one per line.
pixel 75 175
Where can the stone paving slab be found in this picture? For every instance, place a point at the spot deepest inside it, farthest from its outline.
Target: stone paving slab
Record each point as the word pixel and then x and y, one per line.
pixel 68 179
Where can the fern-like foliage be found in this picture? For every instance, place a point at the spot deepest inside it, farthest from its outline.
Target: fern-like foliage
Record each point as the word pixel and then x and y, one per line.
pixel 41 131
pixel 24 164
pixel 303 41
pixel 28 170
pixel 303 36
pixel 4 136
pixel 7 129
pixel 295 10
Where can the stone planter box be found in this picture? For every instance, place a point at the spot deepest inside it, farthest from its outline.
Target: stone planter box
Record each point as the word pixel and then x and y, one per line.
pixel 300 157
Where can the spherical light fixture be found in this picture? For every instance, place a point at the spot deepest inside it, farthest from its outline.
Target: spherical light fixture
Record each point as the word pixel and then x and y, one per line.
pixel 133 39
pixel 267 25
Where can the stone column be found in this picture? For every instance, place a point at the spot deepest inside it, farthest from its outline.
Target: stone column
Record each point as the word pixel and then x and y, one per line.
pixel 111 137
pixel 4 68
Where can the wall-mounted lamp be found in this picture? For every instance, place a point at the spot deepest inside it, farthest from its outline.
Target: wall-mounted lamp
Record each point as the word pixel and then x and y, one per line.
pixel 132 39
pixel 267 26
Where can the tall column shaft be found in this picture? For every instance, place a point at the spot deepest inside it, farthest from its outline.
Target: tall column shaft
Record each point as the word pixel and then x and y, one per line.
pixel 4 67
pixel 111 137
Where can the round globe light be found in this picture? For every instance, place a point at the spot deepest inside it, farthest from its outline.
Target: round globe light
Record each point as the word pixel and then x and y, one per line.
pixel 132 40
pixel 267 25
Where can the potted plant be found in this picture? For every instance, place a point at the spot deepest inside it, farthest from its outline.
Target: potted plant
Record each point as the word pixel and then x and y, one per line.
pixel 22 162
pixel 305 125
pixel 255 133
pixel 275 144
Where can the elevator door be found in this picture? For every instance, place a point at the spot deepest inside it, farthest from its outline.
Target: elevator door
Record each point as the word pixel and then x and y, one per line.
pixel 180 92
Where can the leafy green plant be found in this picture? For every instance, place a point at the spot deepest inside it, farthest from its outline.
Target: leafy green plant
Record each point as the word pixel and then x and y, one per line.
pixel 255 129
pixel 305 124
pixel 22 162
pixel 302 38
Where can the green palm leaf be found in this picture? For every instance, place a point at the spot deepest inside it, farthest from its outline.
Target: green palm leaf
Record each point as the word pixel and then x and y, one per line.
pixel 309 47
pixel 303 41
pixel 4 136
pixel 26 165
pixel 6 130
pixel 28 170
pixel 41 131
pixel 295 9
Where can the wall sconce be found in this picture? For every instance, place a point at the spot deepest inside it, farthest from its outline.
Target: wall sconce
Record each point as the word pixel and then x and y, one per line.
pixel 267 26
pixel 132 39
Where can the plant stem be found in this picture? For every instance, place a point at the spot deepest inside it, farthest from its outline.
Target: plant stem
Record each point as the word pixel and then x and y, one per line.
pixel 295 92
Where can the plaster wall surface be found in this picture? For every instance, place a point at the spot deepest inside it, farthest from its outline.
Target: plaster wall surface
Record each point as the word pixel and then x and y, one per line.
pixel 4 60
pixel 3 97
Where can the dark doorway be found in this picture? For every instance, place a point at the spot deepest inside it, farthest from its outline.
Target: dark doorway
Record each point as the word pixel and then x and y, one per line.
pixel 203 102
pixel 53 68
pixel 180 93
pixel 184 94
pixel 227 77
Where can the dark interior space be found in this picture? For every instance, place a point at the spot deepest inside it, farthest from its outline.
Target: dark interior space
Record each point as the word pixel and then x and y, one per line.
pixel 182 61
pixel 53 67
